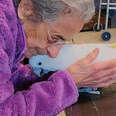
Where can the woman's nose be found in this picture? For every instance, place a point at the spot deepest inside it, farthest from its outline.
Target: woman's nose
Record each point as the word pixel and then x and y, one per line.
pixel 54 50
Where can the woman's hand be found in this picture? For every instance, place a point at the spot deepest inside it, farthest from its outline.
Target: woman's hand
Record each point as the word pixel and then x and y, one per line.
pixel 87 73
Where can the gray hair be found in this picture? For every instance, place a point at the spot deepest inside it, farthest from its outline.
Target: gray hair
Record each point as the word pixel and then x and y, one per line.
pixel 86 8
pixel 47 10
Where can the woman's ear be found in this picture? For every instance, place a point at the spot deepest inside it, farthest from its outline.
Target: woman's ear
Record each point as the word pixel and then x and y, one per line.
pixel 25 9
pixel 67 10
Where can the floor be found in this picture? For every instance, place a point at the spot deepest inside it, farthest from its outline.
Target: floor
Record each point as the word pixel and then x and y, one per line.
pixel 94 37
pixel 104 105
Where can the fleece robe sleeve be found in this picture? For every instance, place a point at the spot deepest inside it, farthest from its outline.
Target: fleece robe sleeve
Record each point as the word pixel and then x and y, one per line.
pixel 46 98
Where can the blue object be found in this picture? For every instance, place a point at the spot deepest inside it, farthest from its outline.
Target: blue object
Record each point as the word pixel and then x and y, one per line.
pixel 106 36
pixel 89 91
pixel 95 27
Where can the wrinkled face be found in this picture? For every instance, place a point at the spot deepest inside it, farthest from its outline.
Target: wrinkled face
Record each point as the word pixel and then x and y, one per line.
pixel 42 38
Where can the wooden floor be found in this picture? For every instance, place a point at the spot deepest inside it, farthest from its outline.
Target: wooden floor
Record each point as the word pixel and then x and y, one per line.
pixel 90 106
pixel 94 37
pixel 102 106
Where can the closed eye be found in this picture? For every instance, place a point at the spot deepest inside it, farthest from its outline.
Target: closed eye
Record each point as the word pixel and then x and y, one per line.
pixel 58 38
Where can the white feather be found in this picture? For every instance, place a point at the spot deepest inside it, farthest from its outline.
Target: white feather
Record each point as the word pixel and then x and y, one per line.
pixel 69 54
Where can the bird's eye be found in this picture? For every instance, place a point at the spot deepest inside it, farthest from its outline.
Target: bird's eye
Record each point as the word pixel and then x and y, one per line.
pixel 39 63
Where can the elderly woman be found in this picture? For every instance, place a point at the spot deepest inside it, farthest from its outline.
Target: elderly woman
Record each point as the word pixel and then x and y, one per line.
pixel 47 25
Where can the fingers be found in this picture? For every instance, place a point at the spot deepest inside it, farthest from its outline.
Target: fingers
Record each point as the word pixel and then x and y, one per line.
pixel 101 79
pixel 101 74
pixel 90 57
pixel 88 74
pixel 101 67
pixel 106 72
pixel 105 64
pixel 98 85
pixel 105 84
pixel 102 82
pixel 106 79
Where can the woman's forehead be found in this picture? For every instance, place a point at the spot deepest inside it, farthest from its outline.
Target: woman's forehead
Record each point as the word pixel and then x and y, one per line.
pixel 66 28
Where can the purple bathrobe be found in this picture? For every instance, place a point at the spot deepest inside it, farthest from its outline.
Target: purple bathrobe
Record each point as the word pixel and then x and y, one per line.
pixel 46 98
